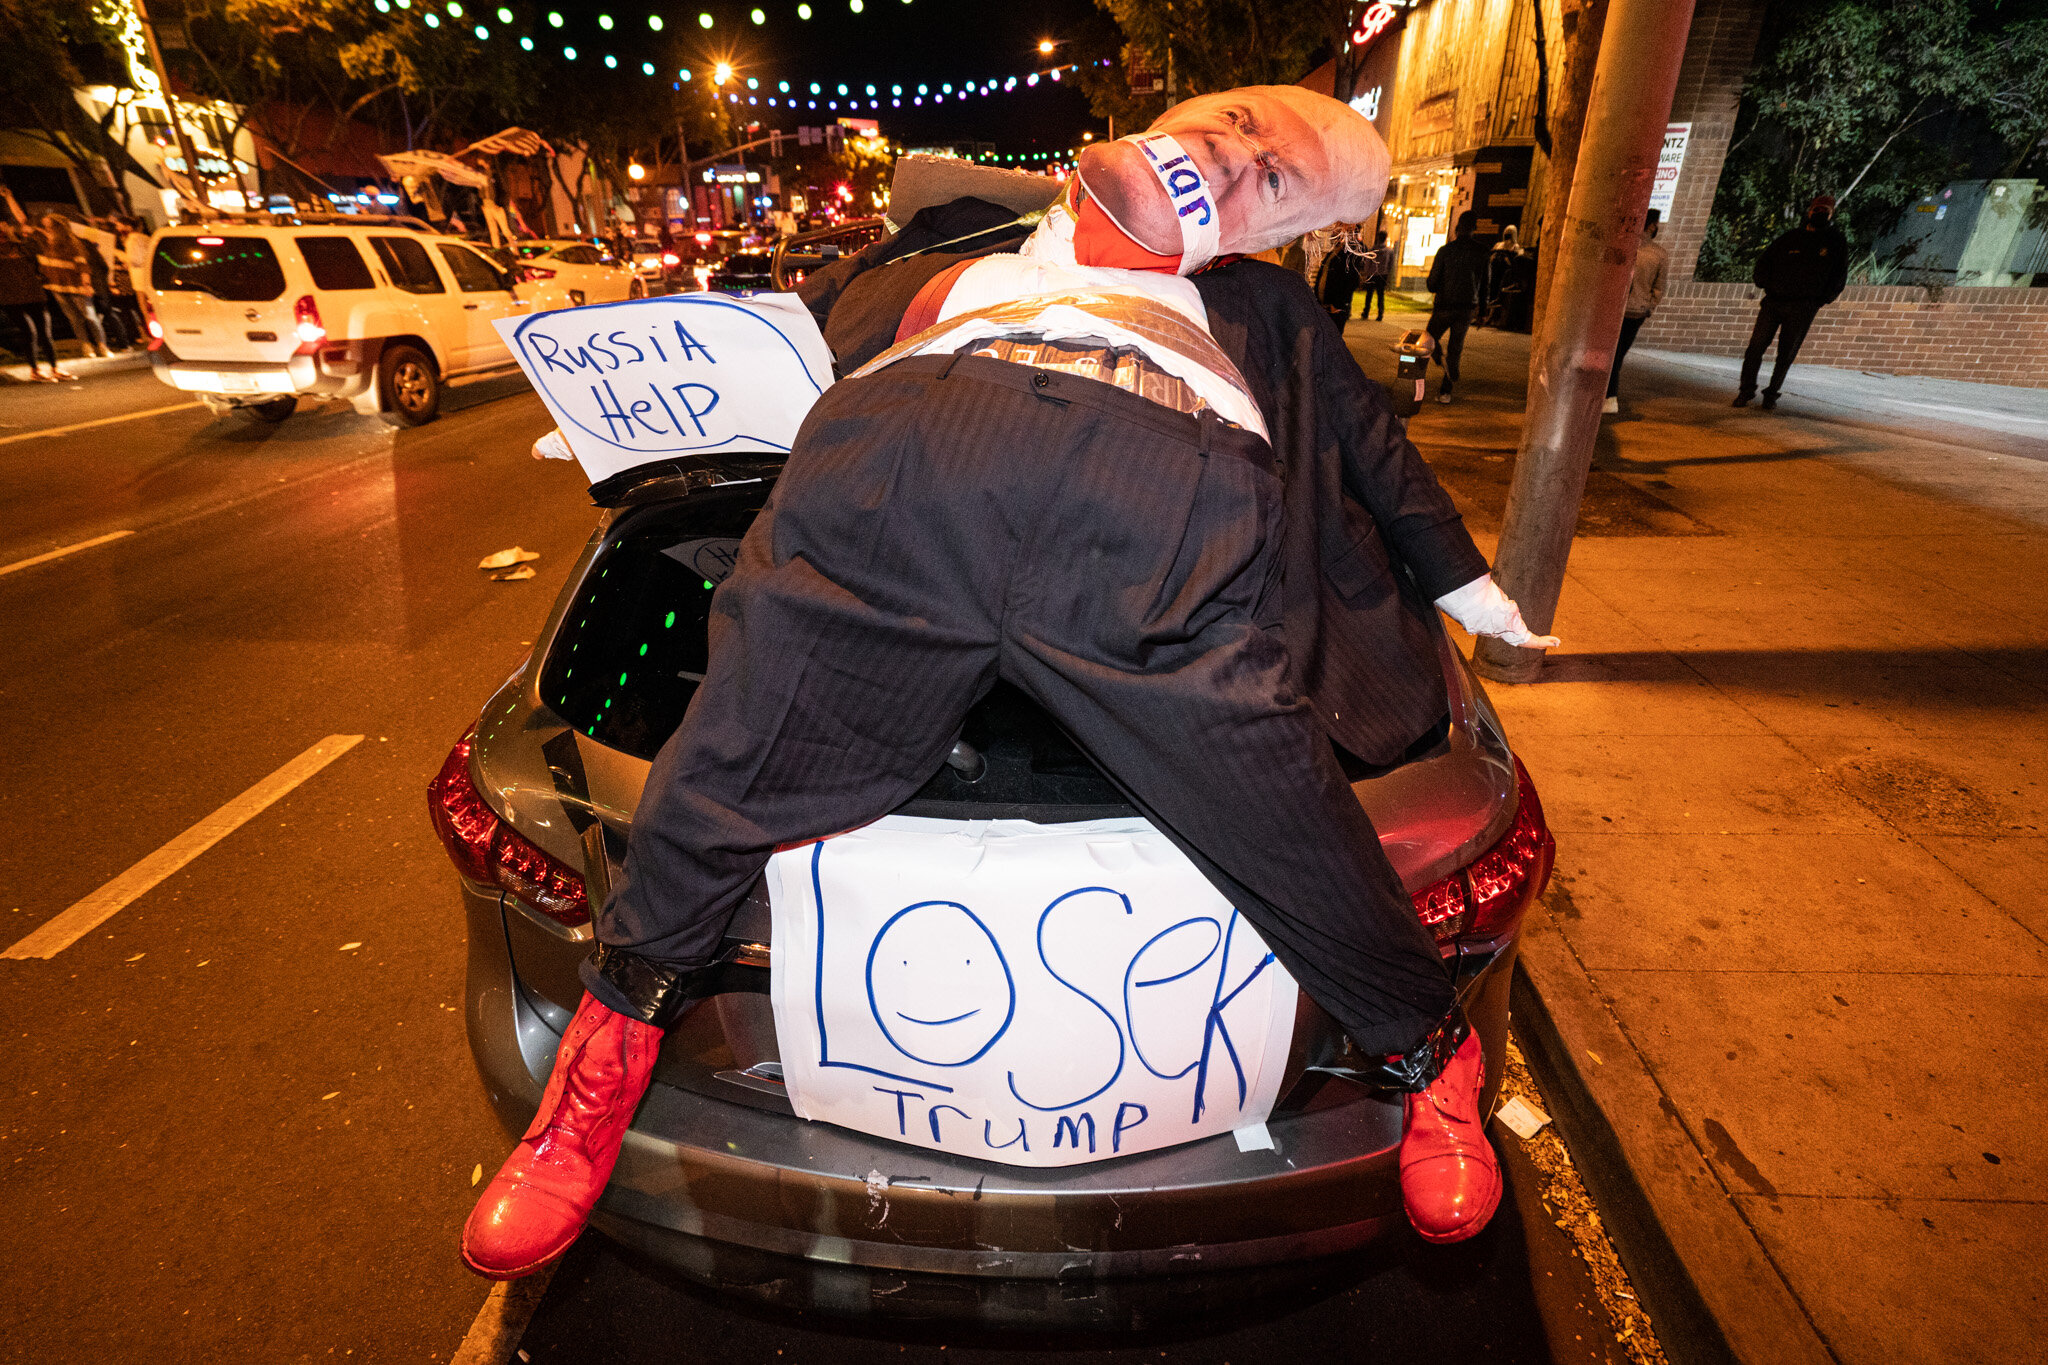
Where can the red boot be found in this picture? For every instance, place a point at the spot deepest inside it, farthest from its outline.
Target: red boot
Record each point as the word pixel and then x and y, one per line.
pixel 1450 1178
pixel 543 1194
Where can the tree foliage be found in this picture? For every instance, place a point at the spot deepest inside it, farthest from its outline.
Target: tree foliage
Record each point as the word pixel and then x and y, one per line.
pixel 1875 102
pixel 1214 45
pixel 53 48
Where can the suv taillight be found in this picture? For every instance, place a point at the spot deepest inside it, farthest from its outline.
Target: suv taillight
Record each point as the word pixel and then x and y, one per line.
pixel 151 321
pixel 1483 900
pixel 488 851
pixel 306 321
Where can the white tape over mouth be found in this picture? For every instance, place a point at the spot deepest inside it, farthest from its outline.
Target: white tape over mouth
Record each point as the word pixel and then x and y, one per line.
pixel 1194 203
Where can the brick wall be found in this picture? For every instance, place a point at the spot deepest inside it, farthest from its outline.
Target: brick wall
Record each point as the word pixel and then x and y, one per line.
pixel 1989 336
pixel 1718 53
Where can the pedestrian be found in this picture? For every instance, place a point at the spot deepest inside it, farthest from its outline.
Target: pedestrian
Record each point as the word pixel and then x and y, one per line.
pixel 1338 282
pixel 1801 273
pixel 67 276
pixel 1457 279
pixel 135 250
pixel 1378 264
pixel 1500 278
pixel 1645 292
pixel 102 251
pixel 22 299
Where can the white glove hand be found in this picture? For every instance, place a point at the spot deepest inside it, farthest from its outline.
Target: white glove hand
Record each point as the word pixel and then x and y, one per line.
pixel 1483 609
pixel 552 447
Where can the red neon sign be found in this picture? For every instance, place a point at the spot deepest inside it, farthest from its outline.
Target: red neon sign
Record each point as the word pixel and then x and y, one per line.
pixel 1373 22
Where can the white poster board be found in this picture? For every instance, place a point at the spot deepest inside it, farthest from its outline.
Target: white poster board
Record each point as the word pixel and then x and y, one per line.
pixel 1035 995
pixel 652 379
pixel 1670 161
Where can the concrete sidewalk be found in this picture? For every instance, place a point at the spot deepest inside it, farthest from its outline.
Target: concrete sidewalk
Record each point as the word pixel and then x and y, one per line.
pixel 1795 959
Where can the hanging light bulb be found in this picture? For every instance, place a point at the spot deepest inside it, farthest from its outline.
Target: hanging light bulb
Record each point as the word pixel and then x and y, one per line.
pixel 604 21
pixel 704 21
pixel 554 18
pixel 654 22
pixel 721 73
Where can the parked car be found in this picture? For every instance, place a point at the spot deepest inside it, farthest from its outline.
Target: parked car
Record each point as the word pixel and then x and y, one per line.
pixel 250 316
pixel 719 1178
pixel 571 273
pixel 743 271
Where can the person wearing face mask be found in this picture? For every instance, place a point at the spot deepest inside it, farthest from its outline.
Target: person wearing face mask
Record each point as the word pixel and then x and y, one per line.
pixel 1068 465
pixel 1801 273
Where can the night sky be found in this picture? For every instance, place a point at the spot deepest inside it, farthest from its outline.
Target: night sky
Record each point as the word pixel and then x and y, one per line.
pixel 930 42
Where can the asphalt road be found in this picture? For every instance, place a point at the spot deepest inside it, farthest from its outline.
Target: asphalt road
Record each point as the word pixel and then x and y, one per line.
pixel 238 1120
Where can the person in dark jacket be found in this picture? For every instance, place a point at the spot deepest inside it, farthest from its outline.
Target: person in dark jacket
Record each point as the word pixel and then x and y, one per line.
pixel 1340 274
pixel 23 302
pixel 1378 264
pixel 1458 280
pixel 1801 273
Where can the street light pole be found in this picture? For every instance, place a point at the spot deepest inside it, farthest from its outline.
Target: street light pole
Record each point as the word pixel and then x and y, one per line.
pixel 1640 52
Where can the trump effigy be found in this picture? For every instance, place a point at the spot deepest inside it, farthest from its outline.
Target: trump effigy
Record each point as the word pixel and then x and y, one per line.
pixel 1099 456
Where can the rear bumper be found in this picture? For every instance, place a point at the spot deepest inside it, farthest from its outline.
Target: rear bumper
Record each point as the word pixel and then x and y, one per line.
pixel 339 371
pixel 722 1183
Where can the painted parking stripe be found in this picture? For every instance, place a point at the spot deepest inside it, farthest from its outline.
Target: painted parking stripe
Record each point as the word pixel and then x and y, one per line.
pixel 495 1334
pixel 60 552
pixel 95 422
pixel 103 904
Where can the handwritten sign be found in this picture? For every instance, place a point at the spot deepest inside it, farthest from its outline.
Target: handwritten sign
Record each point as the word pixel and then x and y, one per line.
pixel 1036 995
pixel 651 379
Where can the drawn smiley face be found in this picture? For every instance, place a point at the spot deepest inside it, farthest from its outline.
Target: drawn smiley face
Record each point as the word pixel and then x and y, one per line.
pixel 938 985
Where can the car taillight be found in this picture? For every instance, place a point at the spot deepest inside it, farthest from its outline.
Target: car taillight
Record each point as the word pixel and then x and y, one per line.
pixel 1483 900
pixel 487 850
pixel 534 272
pixel 149 319
pixel 306 321
pixel 670 258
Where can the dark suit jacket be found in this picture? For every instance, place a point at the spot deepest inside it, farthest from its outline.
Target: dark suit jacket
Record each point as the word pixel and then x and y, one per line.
pixel 1372 538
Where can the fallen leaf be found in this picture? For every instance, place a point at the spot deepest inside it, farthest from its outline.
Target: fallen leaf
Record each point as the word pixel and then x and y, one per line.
pixel 137 958
pixel 505 559
pixel 477 1174
pixel 513 575
pixel 1595 1056
pixel 203 961
pixel 350 947
pixel 330 1094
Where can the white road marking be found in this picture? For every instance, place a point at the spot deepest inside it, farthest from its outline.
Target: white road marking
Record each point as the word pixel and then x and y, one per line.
pixel 95 422
pixel 60 553
pixel 102 905
pixel 495 1334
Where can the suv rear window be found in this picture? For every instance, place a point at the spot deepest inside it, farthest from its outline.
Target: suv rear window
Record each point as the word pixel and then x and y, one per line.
pixel 239 269
pixel 335 263
pixel 406 261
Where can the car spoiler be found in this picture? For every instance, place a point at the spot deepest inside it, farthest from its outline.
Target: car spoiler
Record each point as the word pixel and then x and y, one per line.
pixel 668 480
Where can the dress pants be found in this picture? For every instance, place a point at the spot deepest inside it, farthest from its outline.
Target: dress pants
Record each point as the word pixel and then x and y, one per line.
pixel 949 521
pixel 1374 289
pixel 1789 321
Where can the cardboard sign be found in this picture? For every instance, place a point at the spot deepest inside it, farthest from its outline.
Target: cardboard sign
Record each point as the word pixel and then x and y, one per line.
pixel 1035 995
pixel 651 379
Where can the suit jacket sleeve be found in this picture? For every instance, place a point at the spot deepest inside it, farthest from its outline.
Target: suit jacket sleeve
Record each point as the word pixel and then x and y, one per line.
pixel 1386 474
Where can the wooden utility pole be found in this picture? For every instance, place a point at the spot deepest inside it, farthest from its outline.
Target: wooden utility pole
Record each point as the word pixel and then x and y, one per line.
pixel 1594 248
pixel 1567 120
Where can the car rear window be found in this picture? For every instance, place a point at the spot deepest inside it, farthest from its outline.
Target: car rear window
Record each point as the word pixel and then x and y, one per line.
pixel 631 648
pixel 408 265
pixel 239 269
pixel 335 263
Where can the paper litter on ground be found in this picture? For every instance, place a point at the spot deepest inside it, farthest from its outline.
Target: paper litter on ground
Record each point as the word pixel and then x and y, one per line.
pixel 505 559
pixel 513 575
pixel 1253 1137
pixel 1523 1117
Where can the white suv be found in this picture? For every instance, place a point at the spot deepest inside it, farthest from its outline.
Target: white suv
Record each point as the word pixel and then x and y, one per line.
pixel 249 316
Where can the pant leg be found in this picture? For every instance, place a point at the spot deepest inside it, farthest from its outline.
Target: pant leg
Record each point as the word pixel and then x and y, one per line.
pixel 858 627
pixel 1375 289
pixel 1759 338
pixel 112 331
pixel 1791 335
pixel 85 324
pixel 1164 662
pixel 1436 326
pixel 1454 344
pixel 34 322
pixel 1629 328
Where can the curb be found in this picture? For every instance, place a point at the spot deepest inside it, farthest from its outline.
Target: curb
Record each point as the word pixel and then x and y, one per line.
pixel 85 367
pixel 1707 1283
